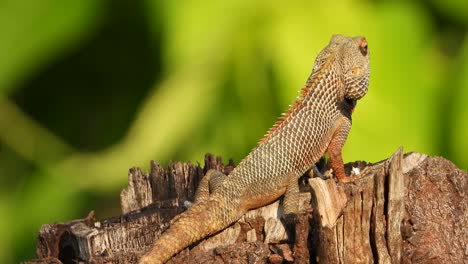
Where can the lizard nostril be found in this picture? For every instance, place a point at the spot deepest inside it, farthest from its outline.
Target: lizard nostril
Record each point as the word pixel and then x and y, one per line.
pixel 363 46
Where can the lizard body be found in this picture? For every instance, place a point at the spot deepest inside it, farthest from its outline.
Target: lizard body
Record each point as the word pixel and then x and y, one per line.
pixel 318 122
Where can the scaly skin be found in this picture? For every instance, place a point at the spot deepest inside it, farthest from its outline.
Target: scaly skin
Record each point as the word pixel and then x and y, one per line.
pixel 319 121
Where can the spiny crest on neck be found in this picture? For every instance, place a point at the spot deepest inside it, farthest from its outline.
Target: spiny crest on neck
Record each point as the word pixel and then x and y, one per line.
pixel 312 81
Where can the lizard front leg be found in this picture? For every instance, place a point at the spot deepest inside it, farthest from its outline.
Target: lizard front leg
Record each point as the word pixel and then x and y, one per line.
pixel 335 149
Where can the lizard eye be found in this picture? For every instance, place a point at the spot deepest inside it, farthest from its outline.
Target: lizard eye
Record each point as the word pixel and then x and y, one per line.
pixel 363 46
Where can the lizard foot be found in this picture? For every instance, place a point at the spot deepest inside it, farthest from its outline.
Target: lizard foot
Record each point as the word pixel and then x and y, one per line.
pixel 356 174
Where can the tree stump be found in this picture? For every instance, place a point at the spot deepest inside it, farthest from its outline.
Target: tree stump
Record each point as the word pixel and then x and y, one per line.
pixel 407 209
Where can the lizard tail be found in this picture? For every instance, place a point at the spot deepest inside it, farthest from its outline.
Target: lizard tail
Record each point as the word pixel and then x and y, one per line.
pixel 200 220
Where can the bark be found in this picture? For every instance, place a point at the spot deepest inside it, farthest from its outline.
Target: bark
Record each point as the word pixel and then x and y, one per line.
pixel 407 209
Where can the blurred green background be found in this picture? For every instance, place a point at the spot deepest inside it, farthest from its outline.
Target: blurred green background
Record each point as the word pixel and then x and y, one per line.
pixel 90 88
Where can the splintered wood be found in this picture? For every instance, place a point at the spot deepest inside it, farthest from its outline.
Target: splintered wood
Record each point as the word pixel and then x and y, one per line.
pixel 406 209
pixel 353 220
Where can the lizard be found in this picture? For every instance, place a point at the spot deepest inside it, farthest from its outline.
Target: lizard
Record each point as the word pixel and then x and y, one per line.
pixel 318 122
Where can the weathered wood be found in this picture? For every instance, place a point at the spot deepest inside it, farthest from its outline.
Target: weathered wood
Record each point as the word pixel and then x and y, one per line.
pixel 370 227
pixel 362 231
pixel 330 200
pixel 407 209
pixel 395 206
pixel 436 202
pixel 148 204
pixel 138 194
pixel 378 218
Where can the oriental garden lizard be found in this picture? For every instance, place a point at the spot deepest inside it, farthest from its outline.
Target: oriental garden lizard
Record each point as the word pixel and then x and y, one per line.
pixel 318 122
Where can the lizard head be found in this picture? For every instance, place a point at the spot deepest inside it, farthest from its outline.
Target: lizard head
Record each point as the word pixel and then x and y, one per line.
pixel 349 57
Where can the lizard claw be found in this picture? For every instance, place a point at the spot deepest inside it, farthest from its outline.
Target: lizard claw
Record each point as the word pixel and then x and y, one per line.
pixel 356 174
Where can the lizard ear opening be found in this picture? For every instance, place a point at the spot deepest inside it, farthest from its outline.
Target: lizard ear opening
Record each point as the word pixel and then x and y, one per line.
pixel 363 46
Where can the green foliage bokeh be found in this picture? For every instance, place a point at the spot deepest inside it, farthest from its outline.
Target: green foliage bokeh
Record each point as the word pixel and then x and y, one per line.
pixel 90 88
